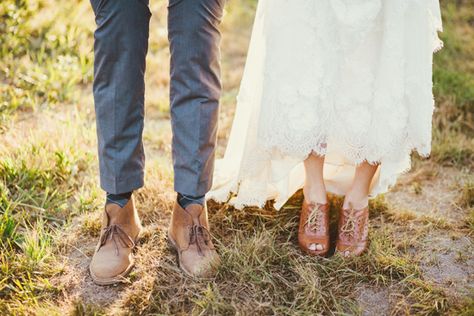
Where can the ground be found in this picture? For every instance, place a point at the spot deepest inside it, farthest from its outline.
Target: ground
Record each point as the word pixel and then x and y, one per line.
pixel 421 255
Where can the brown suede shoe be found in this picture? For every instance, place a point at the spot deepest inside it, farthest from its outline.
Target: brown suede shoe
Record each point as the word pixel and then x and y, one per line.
pixel 113 258
pixel 313 232
pixel 189 235
pixel 353 231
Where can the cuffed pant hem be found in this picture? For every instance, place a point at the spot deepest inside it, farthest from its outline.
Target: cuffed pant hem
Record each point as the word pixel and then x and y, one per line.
pixel 185 188
pixel 118 186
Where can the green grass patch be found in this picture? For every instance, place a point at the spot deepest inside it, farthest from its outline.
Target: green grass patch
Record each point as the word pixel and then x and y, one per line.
pixel 43 57
pixel 36 189
pixel 453 80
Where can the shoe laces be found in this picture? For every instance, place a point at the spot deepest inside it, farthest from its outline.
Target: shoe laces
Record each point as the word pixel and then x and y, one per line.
pixel 315 218
pixel 350 221
pixel 200 236
pixel 118 236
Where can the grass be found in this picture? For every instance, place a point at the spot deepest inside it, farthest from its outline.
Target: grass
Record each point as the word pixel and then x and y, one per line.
pixel 43 61
pixel 466 201
pixel 264 273
pixel 50 203
pixel 38 184
pixel 454 88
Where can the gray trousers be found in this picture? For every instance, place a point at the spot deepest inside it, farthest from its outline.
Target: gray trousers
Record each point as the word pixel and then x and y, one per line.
pixel 121 44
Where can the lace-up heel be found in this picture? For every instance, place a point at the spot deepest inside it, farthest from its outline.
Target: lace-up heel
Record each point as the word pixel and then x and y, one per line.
pixel 313 232
pixel 353 231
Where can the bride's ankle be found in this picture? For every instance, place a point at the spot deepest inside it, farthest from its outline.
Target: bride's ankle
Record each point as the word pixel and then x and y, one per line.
pixel 315 193
pixel 356 200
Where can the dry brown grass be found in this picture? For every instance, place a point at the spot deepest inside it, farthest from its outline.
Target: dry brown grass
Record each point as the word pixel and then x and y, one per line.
pixel 420 260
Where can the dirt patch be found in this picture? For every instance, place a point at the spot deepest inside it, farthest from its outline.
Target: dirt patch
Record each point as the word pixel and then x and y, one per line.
pixel 373 301
pixel 76 281
pixel 430 191
pixel 449 262
pixel 446 256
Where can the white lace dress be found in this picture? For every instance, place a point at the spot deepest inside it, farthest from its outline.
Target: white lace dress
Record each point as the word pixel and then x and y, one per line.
pixel 349 79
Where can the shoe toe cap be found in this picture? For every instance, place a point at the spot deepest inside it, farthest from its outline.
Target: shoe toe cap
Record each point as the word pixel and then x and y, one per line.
pixel 109 267
pixel 197 265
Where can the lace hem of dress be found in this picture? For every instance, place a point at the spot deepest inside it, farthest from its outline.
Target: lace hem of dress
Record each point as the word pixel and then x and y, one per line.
pixel 376 113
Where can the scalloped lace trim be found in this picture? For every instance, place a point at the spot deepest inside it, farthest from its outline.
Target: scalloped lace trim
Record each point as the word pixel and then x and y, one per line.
pixel 343 73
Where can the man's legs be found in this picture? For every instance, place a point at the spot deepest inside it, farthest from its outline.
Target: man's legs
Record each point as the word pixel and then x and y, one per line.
pixel 121 43
pixel 195 91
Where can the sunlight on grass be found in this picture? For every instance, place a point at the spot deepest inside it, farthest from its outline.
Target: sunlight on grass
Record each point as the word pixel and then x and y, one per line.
pixel 42 56
pixel 50 202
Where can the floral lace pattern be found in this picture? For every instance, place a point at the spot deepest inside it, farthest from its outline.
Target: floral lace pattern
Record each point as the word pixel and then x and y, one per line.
pixel 353 74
